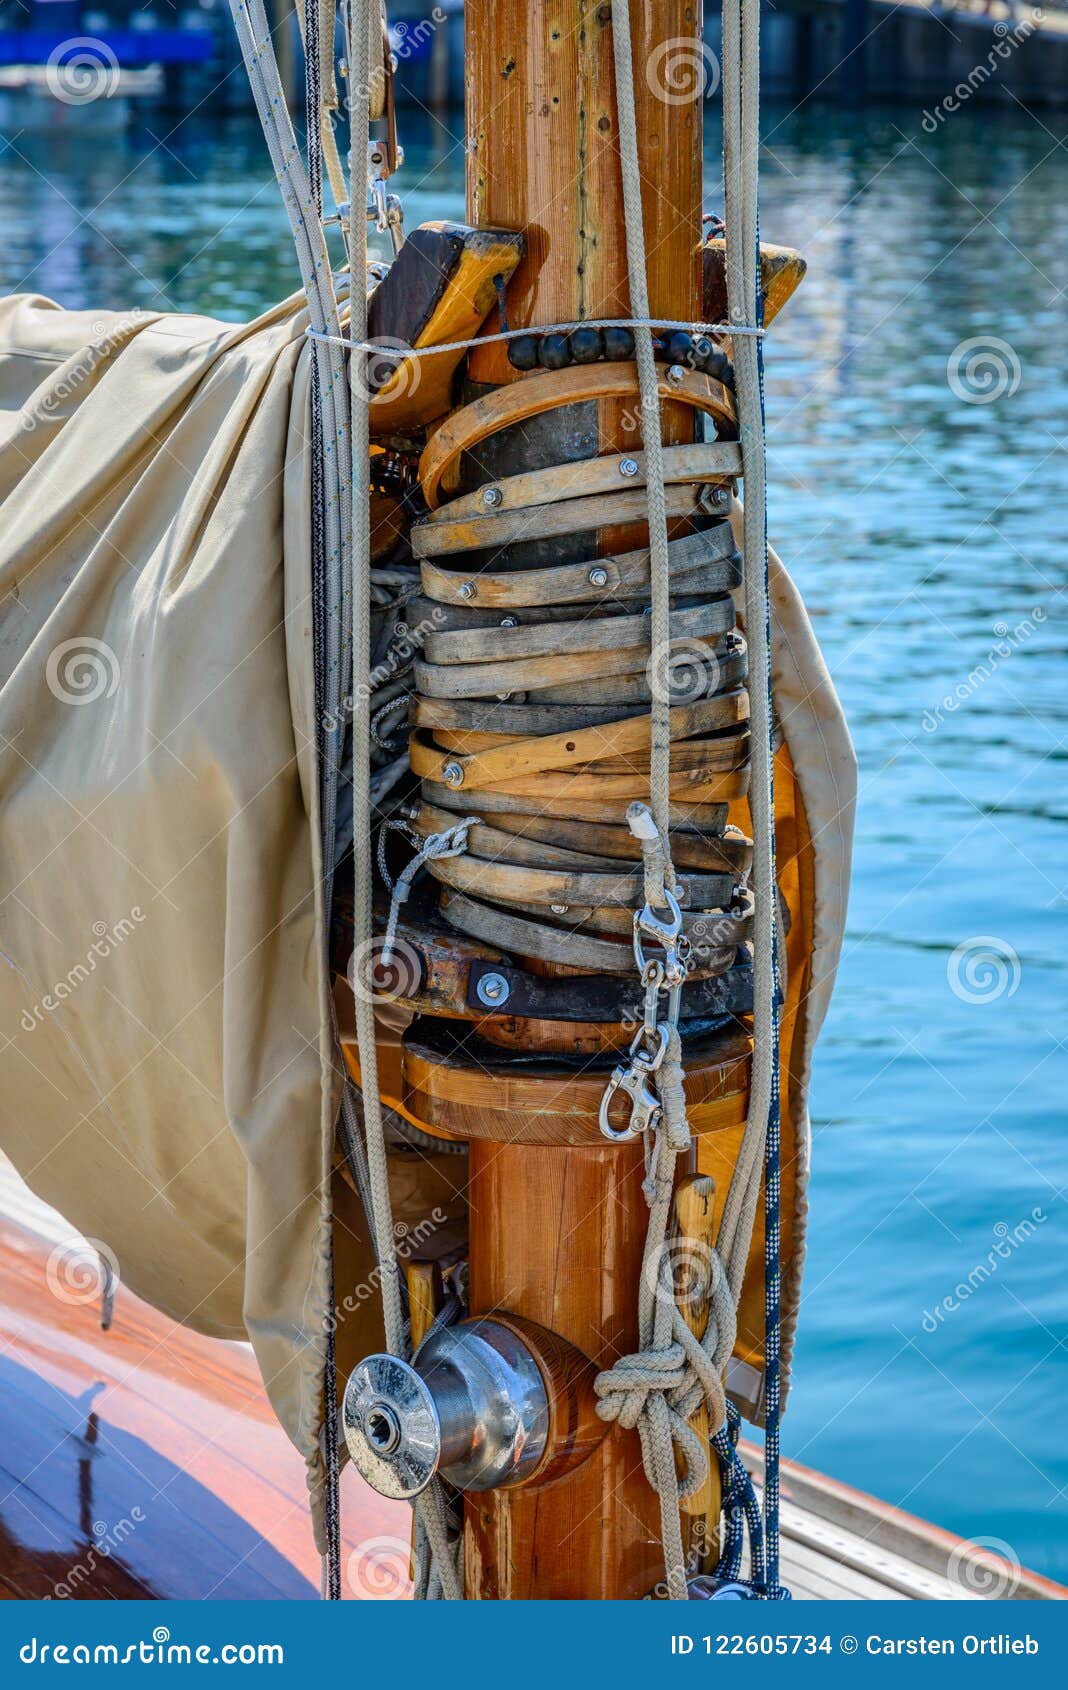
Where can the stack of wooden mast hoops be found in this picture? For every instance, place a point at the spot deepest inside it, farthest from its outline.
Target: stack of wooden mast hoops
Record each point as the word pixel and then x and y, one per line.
pixel 531 716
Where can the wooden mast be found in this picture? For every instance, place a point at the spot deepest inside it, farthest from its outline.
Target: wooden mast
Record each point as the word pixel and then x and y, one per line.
pixel 556 1232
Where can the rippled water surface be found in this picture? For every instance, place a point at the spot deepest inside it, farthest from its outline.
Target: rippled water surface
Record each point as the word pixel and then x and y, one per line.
pixel 928 533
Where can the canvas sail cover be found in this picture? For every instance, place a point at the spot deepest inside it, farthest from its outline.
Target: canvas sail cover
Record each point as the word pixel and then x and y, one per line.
pixel 167 1072
pixel 166 1076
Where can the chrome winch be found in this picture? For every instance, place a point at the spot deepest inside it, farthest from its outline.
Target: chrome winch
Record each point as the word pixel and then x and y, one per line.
pixel 472 1405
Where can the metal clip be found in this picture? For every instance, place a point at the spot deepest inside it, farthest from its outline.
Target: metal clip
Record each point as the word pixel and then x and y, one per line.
pixel 383 207
pixel 645 1107
pixel 666 933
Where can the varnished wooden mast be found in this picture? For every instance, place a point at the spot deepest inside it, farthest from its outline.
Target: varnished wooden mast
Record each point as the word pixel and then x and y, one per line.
pixel 556 1233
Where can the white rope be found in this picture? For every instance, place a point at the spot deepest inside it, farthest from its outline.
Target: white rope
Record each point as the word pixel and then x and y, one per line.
pixel 657 1389
pixel 435 351
pixel 309 238
pixel 331 520
pixel 430 1506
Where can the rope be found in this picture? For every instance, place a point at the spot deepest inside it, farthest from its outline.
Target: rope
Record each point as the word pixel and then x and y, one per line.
pixel 658 1389
pixel 430 1506
pixel 302 196
pixel 741 94
pixel 451 843
pixel 353 345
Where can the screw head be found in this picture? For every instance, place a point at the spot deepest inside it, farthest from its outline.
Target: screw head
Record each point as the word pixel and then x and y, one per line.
pixel 492 496
pixel 452 774
pixel 628 466
pixel 468 590
pixel 492 989
pixel 598 577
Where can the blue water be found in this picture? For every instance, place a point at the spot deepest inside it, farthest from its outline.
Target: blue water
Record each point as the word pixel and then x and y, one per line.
pixel 920 527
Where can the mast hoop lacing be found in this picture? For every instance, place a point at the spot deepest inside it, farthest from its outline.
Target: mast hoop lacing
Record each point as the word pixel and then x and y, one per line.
pixel 403 352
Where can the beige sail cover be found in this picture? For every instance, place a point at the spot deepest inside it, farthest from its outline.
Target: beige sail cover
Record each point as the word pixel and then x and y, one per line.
pixel 164 1028
pixel 166 1071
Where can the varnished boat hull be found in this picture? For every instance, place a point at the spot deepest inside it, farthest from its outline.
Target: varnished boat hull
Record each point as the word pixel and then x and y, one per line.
pixel 146 1461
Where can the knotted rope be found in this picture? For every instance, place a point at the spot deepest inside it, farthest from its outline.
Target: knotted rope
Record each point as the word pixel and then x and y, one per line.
pixel 657 1388
pixel 450 843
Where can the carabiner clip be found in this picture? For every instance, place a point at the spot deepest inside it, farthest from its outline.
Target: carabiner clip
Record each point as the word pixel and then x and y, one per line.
pixel 645 1108
pixel 653 926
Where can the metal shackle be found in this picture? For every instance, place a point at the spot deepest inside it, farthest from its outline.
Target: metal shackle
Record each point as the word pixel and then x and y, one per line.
pixel 472 1405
